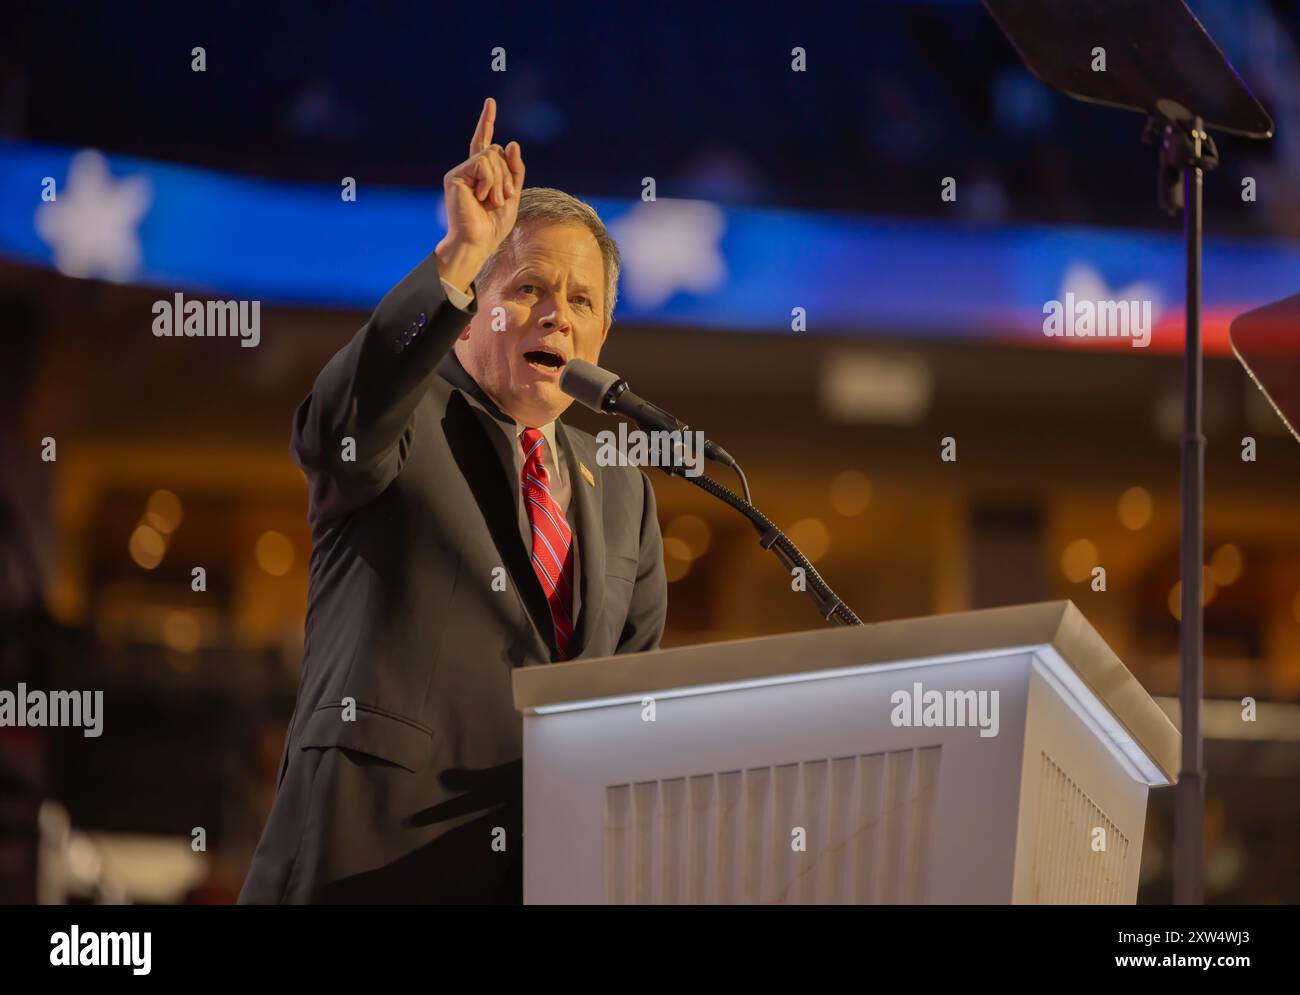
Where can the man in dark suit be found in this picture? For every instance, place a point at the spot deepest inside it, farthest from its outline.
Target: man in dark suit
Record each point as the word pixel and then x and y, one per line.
pixel 459 531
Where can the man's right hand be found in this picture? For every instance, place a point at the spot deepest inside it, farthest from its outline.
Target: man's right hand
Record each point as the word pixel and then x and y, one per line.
pixel 482 198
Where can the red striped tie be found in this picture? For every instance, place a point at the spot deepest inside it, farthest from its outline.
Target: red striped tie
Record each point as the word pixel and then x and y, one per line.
pixel 552 540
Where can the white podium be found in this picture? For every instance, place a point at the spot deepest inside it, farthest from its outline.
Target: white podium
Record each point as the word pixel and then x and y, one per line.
pixel 984 757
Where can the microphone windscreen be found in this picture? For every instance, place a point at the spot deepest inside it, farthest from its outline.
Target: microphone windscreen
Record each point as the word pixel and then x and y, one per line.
pixel 587 383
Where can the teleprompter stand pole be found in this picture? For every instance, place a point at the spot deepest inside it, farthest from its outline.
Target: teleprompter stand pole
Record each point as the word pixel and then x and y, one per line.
pixel 1186 153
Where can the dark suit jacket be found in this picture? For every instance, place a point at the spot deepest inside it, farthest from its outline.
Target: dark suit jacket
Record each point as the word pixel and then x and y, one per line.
pixel 422 601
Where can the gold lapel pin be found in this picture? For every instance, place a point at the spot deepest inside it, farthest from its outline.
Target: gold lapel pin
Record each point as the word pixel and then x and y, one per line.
pixel 586 475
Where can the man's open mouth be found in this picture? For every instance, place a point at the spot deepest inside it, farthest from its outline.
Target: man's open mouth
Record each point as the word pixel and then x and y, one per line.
pixel 545 359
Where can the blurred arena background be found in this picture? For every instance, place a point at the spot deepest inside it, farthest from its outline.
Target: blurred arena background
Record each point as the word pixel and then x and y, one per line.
pixel 817 190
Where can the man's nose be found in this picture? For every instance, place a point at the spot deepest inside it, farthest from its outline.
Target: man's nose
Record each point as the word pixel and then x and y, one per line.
pixel 558 319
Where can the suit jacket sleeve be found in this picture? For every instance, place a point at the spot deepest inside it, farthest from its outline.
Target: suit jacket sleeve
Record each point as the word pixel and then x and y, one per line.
pixel 368 393
pixel 649 607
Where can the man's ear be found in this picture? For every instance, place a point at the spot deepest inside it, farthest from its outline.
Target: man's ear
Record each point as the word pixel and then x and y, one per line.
pixel 605 334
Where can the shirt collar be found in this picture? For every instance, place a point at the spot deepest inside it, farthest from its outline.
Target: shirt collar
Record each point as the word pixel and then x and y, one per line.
pixel 548 433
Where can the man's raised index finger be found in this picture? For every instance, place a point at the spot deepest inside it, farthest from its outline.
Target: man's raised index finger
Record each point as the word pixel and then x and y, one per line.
pixel 483 133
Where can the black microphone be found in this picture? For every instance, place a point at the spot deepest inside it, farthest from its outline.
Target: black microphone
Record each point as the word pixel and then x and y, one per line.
pixel 608 394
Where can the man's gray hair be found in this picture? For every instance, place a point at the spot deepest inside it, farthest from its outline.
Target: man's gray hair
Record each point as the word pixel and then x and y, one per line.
pixel 548 206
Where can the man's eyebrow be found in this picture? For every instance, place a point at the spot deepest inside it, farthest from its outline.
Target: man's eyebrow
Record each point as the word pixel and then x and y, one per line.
pixel 529 273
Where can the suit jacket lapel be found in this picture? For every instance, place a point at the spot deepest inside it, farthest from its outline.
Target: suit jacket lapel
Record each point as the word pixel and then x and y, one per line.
pixel 589 525
pixel 590 529
pixel 495 490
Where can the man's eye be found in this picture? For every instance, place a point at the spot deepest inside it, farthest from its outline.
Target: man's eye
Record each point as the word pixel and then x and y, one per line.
pixel 582 301
pixel 528 288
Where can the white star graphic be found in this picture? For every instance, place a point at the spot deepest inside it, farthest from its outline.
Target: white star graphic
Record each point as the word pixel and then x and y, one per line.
pixel 670 245
pixel 1083 280
pixel 91 226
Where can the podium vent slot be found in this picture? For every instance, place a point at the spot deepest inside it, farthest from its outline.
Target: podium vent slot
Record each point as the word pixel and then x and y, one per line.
pixel 1069 866
pixel 843 830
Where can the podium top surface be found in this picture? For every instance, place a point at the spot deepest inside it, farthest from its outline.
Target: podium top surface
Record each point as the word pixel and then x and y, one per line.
pixel 711 667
